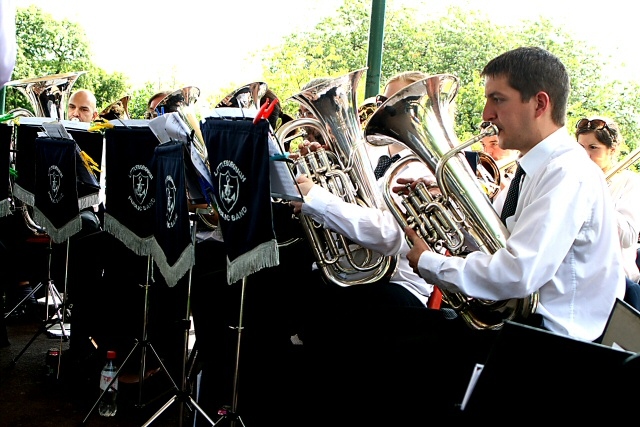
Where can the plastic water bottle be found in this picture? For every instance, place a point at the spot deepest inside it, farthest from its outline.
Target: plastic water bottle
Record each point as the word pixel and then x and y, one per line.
pixel 108 406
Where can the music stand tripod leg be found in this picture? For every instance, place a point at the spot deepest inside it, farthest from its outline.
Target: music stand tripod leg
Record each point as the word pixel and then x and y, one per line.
pixel 232 412
pixel 58 313
pixel 182 394
pixel 32 293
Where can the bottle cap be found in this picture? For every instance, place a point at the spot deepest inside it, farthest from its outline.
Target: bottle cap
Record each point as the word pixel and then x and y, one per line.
pixel 111 354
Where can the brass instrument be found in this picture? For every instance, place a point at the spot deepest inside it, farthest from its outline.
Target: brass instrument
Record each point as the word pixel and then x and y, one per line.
pixel 365 110
pixel 345 170
pixel 185 96
pixel 48 95
pixel 489 175
pixel 247 96
pixel 629 160
pixel 418 117
pixel 117 110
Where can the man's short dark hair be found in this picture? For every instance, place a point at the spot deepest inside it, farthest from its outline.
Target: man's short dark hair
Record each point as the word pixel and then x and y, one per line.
pixel 530 70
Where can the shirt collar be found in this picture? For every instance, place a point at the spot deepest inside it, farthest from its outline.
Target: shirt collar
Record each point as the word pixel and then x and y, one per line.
pixel 539 155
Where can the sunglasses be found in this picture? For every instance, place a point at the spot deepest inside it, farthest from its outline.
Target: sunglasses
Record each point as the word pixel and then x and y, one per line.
pixel 595 124
pixel 380 99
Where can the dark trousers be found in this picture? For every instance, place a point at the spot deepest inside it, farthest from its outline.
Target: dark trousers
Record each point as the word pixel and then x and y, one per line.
pixel 377 356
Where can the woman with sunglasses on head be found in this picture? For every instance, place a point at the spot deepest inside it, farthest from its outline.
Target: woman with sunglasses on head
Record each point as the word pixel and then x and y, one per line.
pixel 601 139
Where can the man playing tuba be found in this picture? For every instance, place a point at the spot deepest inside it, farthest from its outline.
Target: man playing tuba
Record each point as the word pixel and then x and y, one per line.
pixel 334 312
pixel 562 243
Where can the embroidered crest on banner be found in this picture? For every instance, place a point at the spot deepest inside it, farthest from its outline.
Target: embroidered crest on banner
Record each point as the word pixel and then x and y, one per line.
pixel 229 180
pixel 55 183
pixel 141 178
pixel 170 189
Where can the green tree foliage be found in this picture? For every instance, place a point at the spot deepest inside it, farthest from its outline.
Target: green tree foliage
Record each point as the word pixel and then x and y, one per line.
pixel 460 43
pixel 47 47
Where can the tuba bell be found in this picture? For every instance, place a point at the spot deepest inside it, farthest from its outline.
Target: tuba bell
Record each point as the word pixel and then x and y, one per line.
pixel 48 95
pixel 344 169
pixel 117 110
pixel 418 117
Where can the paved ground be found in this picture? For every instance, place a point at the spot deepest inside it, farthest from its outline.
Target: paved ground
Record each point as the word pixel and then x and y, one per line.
pixel 28 397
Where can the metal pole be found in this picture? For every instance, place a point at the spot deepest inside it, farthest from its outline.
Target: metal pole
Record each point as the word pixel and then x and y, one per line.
pixel 3 93
pixel 376 37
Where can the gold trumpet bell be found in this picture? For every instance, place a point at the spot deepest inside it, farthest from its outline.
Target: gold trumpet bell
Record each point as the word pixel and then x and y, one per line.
pixel 48 95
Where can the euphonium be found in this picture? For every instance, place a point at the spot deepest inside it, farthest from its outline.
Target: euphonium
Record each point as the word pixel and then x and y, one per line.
pixel 48 95
pixel 345 170
pixel 418 117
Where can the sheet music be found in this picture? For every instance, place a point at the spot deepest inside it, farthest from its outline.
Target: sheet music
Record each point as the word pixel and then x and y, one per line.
pixel 283 184
pixel 56 130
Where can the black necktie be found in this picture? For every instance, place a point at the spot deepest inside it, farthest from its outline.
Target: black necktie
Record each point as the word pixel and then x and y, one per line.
pixel 383 164
pixel 511 201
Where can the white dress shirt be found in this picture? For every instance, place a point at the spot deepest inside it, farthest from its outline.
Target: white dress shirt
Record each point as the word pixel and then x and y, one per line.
pixel 8 46
pixel 625 192
pixel 562 244
pixel 372 228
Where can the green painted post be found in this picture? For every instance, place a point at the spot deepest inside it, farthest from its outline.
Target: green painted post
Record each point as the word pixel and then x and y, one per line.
pixel 3 93
pixel 374 60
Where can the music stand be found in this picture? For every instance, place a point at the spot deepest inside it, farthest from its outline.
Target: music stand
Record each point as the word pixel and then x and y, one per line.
pixel 123 221
pixel 143 343
pixel 181 393
pixel 55 206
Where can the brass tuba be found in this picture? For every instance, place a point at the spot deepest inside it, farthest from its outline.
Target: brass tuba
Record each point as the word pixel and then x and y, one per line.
pixel 418 117
pixel 344 169
pixel 117 110
pixel 48 95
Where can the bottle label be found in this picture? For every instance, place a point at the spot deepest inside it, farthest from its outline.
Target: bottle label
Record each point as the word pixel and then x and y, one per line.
pixel 105 379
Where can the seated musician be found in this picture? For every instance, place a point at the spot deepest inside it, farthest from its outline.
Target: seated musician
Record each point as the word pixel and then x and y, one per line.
pixel 561 223
pixel 601 138
pixel 350 328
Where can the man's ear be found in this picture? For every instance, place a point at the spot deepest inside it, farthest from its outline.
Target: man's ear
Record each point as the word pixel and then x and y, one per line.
pixel 542 103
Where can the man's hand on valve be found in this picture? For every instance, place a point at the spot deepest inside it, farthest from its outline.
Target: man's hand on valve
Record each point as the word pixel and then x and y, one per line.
pixel 418 246
pixel 304 183
pixel 409 183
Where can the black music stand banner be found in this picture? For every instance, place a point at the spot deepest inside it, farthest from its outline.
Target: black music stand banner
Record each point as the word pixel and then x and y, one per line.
pixel 131 187
pixel 56 197
pixel 173 250
pixel 239 164
pixel 5 145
